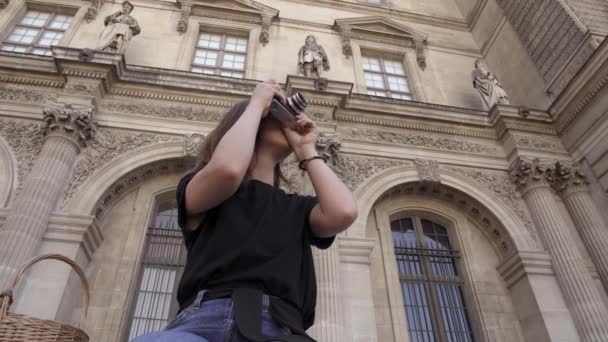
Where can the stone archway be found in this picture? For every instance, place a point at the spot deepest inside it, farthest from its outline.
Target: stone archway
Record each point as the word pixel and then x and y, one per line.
pixel 8 168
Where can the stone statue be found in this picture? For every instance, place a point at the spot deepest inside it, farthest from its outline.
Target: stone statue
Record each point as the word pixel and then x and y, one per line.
pixel 311 58
pixel 120 27
pixel 488 86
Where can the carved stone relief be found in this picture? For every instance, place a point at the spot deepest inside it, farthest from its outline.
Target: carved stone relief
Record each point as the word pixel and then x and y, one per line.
pixel 193 144
pixel 264 32
pixel 428 170
pixel 475 210
pixel 135 178
pixel 25 139
pixel 23 95
pixel 530 173
pixel 293 174
pixel 76 123
pixel 355 170
pixel 539 143
pixel 107 145
pixel 412 139
pixel 566 179
pixel 328 145
pixel 93 10
pixel 164 111
pixel 499 185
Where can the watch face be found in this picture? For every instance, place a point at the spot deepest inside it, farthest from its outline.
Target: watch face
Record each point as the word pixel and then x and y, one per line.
pixel 282 114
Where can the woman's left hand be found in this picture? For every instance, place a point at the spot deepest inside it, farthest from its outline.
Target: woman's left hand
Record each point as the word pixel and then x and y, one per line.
pixel 303 137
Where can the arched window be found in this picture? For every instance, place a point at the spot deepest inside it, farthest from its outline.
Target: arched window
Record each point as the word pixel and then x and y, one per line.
pixel 163 262
pixel 430 282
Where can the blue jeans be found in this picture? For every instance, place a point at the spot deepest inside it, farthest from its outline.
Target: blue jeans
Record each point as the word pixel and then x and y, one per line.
pixel 211 321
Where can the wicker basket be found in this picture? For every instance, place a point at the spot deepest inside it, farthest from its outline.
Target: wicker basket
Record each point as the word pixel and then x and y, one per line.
pixel 21 328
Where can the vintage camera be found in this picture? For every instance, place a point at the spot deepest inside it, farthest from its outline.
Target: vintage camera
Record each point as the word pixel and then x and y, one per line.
pixel 296 104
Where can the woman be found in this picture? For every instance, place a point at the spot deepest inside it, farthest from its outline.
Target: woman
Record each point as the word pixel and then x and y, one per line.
pixel 249 275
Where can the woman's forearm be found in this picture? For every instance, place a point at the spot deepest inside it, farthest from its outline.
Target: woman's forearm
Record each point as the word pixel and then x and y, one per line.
pixel 234 151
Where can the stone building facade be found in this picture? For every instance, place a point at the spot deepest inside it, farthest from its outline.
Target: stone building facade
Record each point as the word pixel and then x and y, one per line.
pixel 475 223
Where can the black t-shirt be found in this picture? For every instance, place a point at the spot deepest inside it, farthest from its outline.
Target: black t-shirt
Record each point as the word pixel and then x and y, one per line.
pixel 260 238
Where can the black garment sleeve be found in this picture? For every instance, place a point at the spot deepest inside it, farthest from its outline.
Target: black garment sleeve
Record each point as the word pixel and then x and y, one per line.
pixel 180 194
pixel 308 203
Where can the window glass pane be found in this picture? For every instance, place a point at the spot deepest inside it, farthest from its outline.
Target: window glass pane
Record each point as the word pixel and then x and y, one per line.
pixel 236 44
pixel 371 64
pixel 50 38
pixel 393 67
pixel 374 80
pixel 398 84
pixel 42 52
pixel 376 93
pixel 401 96
pixel 23 35
pixel 233 61
pixel 205 57
pixel 35 18
pixel 231 74
pixel 61 22
pixel 13 48
pixel 208 40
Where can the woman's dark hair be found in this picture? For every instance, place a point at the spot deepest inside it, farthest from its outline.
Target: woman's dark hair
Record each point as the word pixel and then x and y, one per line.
pixel 207 147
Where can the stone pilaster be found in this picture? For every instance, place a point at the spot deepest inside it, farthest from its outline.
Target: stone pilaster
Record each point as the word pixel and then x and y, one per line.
pixel 329 322
pixel 67 131
pixel 571 184
pixel 582 296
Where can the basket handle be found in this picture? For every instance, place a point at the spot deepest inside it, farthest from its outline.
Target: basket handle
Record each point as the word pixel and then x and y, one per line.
pixel 6 297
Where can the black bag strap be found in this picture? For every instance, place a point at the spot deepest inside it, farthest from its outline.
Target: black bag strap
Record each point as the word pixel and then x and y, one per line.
pixel 248 317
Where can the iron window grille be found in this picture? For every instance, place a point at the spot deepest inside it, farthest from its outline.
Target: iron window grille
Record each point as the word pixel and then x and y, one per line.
pixel 430 282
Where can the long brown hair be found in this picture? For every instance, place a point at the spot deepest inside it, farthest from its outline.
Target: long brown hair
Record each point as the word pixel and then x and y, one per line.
pixel 207 147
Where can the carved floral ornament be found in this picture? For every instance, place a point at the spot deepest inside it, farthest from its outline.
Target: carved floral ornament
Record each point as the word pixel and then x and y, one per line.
pixel 382 30
pixel 564 178
pixel 92 11
pixel 75 123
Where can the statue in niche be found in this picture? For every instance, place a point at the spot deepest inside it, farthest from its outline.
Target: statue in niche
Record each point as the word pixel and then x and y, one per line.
pixel 489 88
pixel 120 28
pixel 312 58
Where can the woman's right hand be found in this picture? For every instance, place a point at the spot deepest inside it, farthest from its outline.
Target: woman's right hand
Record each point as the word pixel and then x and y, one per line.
pixel 264 93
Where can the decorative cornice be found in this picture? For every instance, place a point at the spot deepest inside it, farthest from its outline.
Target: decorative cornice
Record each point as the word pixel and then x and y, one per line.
pixel 32 80
pixel 170 97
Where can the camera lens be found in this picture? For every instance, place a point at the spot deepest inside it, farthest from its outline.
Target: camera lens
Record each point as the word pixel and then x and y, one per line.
pixel 296 103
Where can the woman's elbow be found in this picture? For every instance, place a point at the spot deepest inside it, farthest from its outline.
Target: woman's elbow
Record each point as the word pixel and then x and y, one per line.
pixel 347 218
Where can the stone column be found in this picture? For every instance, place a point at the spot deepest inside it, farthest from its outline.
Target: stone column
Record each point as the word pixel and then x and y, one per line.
pixel 572 185
pixel 582 296
pixel 329 323
pixel 67 130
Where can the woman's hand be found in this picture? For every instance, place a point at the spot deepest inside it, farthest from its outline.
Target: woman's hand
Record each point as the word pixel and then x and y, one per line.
pixel 264 93
pixel 303 137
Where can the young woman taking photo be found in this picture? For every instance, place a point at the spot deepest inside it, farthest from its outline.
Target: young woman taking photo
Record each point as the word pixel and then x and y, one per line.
pixel 249 274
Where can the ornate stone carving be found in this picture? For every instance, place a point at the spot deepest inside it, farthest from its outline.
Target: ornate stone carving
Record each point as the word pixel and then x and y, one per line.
pixel 184 17
pixel 428 170
pixel 3 3
pixel 92 10
pixel 346 34
pixel 475 210
pixel 164 111
pixel 320 83
pixel 136 177
pixel 354 170
pixel 498 184
pixel 25 139
pixel 193 143
pixel 23 95
pixel 74 123
pixel 407 138
pixel 568 179
pixel 538 143
pixel 489 88
pixel 264 32
pixel 312 59
pixel 420 55
pixel 527 174
pixel 81 88
pixel 329 144
pixel 107 145
pixel 293 174
pixel 120 27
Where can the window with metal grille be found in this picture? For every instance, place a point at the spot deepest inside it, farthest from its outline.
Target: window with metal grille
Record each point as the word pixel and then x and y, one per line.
pixel 163 262
pixel 430 282
pixel 220 54
pixel 386 77
pixel 37 32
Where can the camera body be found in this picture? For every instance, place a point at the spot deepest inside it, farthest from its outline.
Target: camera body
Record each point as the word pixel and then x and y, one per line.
pixel 296 104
